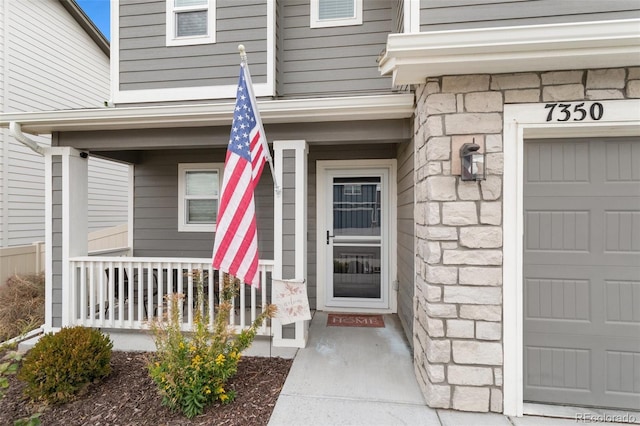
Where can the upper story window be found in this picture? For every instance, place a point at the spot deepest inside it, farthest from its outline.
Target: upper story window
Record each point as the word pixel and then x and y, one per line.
pixel 198 194
pixel 335 13
pixel 191 22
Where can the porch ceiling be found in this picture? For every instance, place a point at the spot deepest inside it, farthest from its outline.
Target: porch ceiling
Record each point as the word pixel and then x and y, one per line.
pixel 377 107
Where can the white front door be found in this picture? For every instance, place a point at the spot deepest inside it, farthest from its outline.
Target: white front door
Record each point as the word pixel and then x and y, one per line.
pixel 356 238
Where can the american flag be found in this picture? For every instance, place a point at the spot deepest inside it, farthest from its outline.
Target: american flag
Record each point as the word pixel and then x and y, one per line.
pixel 235 249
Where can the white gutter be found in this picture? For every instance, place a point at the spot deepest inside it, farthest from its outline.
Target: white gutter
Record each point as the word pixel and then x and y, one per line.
pixel 375 107
pixel 15 130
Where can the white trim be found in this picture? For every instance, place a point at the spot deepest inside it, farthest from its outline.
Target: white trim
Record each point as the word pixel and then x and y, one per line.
pixel 189 93
pixel 172 11
pixel 131 201
pixel 525 121
pixel 323 168
pixel 413 57
pixel 183 168
pixel 316 22
pixel 411 16
pixel 377 107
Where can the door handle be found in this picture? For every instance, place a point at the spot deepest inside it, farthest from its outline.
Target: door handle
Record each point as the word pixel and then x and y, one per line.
pixel 329 236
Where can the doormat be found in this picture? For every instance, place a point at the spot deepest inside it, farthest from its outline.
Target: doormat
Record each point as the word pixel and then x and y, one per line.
pixel 355 320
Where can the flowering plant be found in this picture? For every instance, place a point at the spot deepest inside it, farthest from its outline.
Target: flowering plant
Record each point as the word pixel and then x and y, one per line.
pixel 191 370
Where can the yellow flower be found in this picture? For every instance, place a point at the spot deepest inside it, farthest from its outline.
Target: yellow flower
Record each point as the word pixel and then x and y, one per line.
pixel 220 359
pixel 192 348
pixel 220 390
pixel 181 345
pixel 224 397
pixel 207 390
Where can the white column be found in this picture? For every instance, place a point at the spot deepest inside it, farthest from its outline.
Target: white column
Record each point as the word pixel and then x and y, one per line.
pixel 297 189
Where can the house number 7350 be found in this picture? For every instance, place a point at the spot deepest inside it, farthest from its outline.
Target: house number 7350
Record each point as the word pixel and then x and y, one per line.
pixel 574 111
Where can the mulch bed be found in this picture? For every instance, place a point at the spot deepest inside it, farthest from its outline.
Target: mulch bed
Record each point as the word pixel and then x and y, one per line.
pixel 129 397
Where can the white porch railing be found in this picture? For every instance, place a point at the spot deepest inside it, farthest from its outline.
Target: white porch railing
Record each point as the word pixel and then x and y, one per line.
pixel 129 292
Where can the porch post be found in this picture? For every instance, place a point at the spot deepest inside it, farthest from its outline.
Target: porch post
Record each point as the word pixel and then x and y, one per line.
pixel 66 230
pixel 290 227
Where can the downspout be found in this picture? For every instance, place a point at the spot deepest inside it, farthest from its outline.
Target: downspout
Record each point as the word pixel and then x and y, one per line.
pixel 15 129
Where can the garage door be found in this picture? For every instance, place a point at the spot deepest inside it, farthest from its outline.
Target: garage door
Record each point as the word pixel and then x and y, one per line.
pixel 581 272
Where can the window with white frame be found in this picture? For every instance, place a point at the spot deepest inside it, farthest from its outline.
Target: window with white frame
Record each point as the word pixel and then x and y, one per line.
pixel 198 194
pixel 191 22
pixel 335 13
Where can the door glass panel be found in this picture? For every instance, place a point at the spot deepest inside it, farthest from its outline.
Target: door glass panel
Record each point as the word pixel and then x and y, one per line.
pixel 356 271
pixel 356 206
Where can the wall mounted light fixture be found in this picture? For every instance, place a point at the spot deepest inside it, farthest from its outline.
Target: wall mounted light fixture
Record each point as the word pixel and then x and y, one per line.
pixel 471 162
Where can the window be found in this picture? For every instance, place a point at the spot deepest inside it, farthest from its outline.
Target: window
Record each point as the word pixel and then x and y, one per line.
pixel 198 192
pixel 190 22
pixel 335 13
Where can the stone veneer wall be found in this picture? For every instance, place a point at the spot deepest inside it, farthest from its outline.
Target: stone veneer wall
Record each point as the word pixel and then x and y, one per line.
pixel 457 328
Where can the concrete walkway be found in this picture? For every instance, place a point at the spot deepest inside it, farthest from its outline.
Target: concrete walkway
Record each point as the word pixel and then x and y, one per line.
pixel 364 376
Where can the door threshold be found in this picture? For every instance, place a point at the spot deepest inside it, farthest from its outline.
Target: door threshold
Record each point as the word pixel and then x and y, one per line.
pixel 582 414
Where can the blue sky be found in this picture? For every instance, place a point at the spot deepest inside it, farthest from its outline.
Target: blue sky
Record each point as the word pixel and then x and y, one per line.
pixel 98 11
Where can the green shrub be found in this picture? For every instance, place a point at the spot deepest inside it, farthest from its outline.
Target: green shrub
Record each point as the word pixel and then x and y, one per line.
pixel 191 369
pixel 61 364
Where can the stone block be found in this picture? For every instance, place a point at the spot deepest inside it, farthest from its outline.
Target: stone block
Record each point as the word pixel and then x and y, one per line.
pixel 433 213
pixel 434 168
pixel 439 148
pixel 483 102
pixel 439 233
pixel 561 77
pixel 474 275
pixel 496 400
pixel 435 327
pixel 563 93
pixel 488 330
pixel 446 168
pixel 449 245
pixel 463 329
pixel 495 163
pixel 470 123
pixel 465 83
pixel 459 213
pixel 473 295
pixel 435 372
pixel 472 257
pixel 441 310
pixel 467 398
pixel 434 126
pixel 441 103
pixel 442 274
pixel 515 81
pixel 441 188
pixel 633 89
pixel 521 96
pixel 497 373
pixel 491 188
pixel 600 94
pixel 471 376
pixel 431 87
pixel 612 78
pixel 460 102
pixel 481 312
pixel 433 293
pixel 633 73
pixel 493 143
pixel 437 396
pixel 491 213
pixel 474 352
pixel 438 350
pixel 434 253
pixel 468 190
pixel 481 236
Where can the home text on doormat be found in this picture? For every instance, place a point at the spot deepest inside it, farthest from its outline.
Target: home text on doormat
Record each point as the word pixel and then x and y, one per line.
pixel 355 320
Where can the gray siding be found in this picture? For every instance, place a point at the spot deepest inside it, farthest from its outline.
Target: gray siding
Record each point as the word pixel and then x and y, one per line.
pixel 438 15
pixel 288 214
pixel 406 251
pixel 330 61
pixel 56 273
pixel 147 63
pixel 156 207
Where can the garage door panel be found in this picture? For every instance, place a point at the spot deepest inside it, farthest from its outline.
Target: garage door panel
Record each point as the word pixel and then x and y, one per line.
pixel 581 272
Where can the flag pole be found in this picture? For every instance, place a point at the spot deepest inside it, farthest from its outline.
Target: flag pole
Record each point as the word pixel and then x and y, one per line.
pixel 243 61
